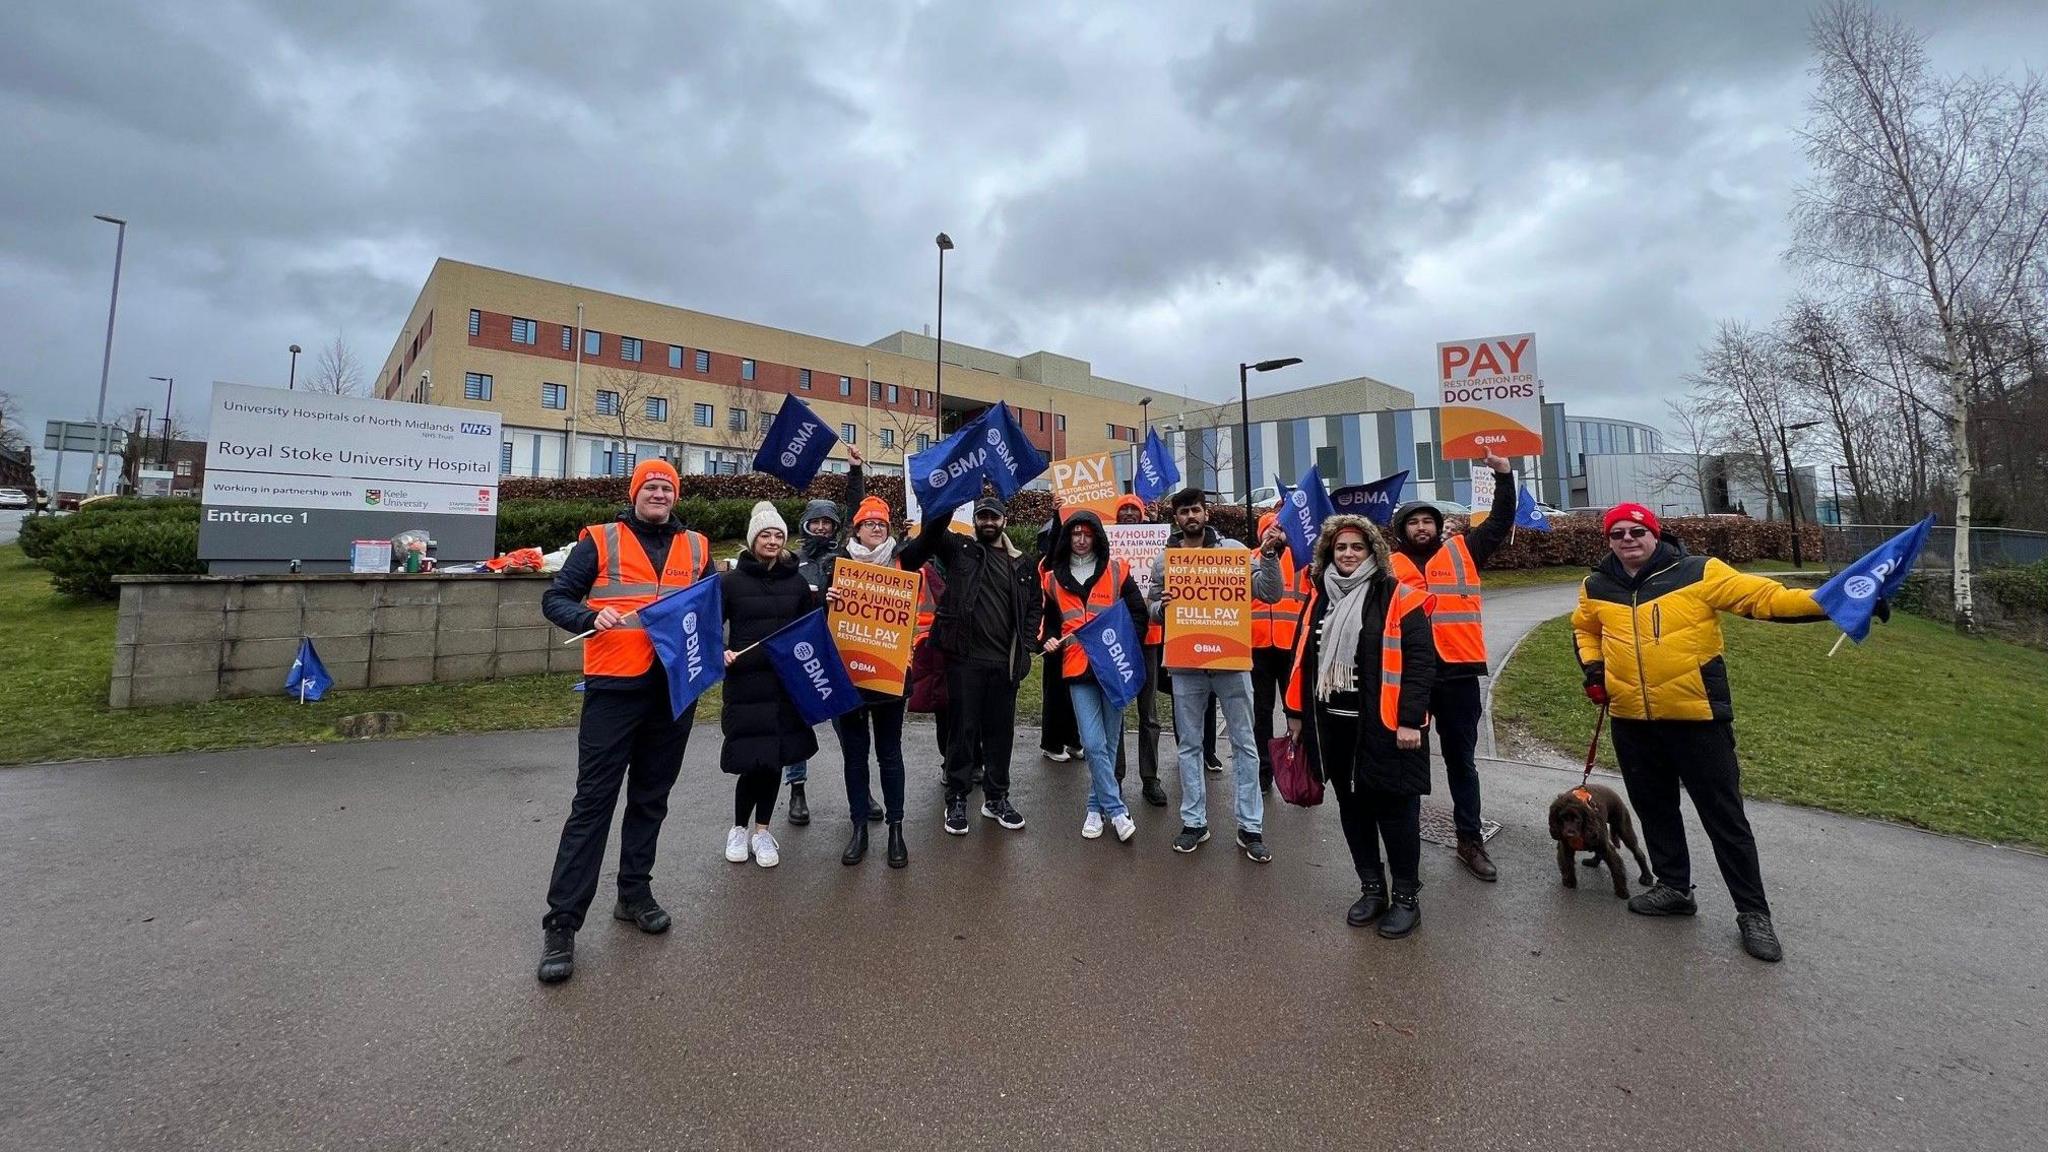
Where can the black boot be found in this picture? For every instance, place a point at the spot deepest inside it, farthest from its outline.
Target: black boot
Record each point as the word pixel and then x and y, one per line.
pixel 799 811
pixel 557 957
pixel 1402 916
pixel 899 852
pixel 874 807
pixel 1369 906
pixel 856 848
pixel 1155 794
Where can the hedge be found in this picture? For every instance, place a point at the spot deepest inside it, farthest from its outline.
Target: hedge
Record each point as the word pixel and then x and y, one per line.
pixel 549 524
pixel 39 534
pixel 84 561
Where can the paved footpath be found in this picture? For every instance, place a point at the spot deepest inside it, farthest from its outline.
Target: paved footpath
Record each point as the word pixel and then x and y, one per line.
pixel 333 947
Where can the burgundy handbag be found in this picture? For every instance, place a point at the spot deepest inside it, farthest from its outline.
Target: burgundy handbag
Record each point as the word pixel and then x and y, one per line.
pixel 1291 774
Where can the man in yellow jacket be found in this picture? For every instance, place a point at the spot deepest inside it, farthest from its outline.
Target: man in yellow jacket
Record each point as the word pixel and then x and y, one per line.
pixel 1649 639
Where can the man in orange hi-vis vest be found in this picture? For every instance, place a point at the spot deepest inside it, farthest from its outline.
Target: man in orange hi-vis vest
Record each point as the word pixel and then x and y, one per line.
pixel 628 733
pixel 1447 567
pixel 1274 623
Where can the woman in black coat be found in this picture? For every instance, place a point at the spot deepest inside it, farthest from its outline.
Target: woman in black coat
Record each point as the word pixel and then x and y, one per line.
pixel 763 592
pixel 1368 746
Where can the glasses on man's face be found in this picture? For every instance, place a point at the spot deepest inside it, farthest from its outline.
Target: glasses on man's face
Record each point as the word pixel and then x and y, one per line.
pixel 1628 533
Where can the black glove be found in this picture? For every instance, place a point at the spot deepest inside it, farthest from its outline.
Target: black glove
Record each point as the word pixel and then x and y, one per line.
pixel 1883 611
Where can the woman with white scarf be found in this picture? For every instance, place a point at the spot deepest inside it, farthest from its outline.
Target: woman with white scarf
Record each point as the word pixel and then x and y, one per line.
pixel 1364 664
pixel 880 716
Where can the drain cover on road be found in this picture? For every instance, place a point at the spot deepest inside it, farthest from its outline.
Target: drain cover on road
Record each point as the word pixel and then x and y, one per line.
pixel 1438 828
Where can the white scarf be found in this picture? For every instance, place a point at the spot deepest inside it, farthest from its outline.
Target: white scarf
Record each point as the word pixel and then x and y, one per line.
pixel 1337 658
pixel 878 555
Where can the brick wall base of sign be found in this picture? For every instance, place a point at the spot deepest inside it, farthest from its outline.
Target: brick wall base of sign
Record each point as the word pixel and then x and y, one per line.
pixel 186 639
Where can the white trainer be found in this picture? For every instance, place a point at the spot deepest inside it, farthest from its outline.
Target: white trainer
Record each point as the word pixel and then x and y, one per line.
pixel 1091 828
pixel 1125 826
pixel 736 844
pixel 765 852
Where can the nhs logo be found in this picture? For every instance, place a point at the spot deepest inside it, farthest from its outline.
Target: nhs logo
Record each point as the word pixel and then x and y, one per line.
pixel 476 429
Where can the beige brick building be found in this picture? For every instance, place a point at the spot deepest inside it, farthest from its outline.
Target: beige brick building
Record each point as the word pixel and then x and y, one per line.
pixel 617 379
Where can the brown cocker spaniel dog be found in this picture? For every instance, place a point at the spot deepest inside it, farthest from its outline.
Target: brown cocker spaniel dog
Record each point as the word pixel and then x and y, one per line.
pixel 1591 818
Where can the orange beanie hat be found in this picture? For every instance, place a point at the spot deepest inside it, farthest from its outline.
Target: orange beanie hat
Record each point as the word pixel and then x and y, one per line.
pixel 646 468
pixel 872 508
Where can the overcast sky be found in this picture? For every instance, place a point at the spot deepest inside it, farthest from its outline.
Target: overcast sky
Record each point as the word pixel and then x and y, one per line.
pixel 1161 189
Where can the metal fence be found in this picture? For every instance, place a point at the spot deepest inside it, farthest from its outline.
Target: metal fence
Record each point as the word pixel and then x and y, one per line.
pixel 1989 547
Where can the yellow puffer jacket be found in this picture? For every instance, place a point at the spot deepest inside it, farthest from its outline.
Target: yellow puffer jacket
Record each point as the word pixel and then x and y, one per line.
pixel 1657 635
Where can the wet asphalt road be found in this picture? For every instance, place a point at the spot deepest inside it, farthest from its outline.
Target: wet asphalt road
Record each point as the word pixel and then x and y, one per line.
pixel 333 948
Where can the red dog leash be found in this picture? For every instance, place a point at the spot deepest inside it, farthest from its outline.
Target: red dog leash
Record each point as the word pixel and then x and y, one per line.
pixel 1593 749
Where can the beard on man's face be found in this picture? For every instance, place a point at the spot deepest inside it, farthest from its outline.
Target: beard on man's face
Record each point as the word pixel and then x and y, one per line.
pixel 986 532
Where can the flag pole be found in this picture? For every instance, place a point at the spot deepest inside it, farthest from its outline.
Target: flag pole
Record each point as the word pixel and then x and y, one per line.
pixel 1838 644
pixel 634 613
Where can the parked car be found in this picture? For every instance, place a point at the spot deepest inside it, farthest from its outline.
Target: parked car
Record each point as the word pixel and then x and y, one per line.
pixel 1264 498
pixel 13 498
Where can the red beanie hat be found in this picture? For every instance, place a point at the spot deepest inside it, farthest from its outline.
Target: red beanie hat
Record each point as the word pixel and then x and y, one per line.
pixel 646 468
pixel 1634 513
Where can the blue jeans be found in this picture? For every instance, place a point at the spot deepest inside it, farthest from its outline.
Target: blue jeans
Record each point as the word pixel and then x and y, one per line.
pixel 797 773
pixel 1100 725
pixel 1191 694
pixel 885 719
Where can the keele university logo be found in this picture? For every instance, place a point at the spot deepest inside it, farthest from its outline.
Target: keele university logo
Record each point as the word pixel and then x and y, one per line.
pixel 373 496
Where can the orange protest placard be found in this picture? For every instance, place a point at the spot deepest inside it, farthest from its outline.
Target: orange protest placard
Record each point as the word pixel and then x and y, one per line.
pixel 1086 482
pixel 873 623
pixel 1209 613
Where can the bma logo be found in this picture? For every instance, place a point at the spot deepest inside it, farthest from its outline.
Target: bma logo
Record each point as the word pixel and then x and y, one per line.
pixel 995 436
pixel 1109 635
pixel 1865 585
pixel 476 429
pixel 802 651
pixel 1298 498
pixel 937 479
pixel 798 443
pixel 689 623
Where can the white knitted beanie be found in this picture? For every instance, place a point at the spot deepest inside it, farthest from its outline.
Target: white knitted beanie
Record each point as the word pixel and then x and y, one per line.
pixel 765 516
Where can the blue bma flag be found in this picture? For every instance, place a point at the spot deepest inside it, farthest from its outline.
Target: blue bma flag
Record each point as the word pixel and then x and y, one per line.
pixel 688 631
pixel 795 445
pixel 991 447
pixel 1110 638
pixel 1528 515
pixel 308 679
pixel 1851 597
pixel 1157 473
pixel 807 660
pixel 1302 512
pixel 1375 501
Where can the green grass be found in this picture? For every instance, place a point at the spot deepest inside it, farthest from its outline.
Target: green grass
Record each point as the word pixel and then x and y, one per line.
pixel 1917 724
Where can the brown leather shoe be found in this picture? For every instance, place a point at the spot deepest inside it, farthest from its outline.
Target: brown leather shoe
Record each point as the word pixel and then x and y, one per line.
pixel 1472 854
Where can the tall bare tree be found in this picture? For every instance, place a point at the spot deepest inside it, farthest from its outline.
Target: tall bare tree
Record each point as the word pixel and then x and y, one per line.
pixel 1741 378
pixel 1929 185
pixel 1826 384
pixel 619 400
pixel 12 434
pixel 336 371
pixel 1699 433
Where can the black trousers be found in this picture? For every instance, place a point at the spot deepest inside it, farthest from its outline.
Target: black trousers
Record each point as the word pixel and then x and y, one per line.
pixel 1148 722
pixel 1369 816
pixel 625 736
pixel 1455 707
pixel 982 701
pixel 883 721
pixel 1058 730
pixel 753 796
pixel 1270 669
pixel 1657 758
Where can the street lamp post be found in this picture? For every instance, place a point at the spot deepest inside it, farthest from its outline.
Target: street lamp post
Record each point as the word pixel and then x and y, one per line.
pixel 1244 427
pixel 1792 486
pixel 1145 412
pixel 99 458
pixel 170 383
pixel 292 382
pixel 945 244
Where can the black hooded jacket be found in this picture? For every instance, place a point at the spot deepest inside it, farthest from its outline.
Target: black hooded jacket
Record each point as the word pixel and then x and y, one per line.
pixel 1482 541
pixel 1058 565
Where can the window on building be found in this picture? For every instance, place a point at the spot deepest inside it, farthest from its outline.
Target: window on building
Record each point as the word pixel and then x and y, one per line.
pixel 505 456
pixel 184 467
pixel 476 322
pixel 1041 421
pixel 593 342
pixel 703 360
pixel 523 332
pixel 893 394
pixel 874 390
pixel 675 357
pixel 1110 431
pixel 554 396
pixel 846 385
pixel 476 386
pixel 629 349
pixel 1062 420
pixel 736 420
pixel 657 409
pixel 607 402
pixel 746 369
pixel 850 434
pixel 924 441
pixel 700 415
pixel 1425 460
pixel 568 338
pixel 888 437
pixel 803 379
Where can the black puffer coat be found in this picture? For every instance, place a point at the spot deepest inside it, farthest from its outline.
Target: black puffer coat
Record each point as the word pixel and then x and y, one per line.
pixel 1377 762
pixel 762 728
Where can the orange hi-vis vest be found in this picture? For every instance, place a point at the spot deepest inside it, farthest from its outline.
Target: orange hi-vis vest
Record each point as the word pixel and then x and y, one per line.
pixel 1453 579
pixel 1274 624
pixel 1074 611
pixel 626 580
pixel 927 609
pixel 1406 600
